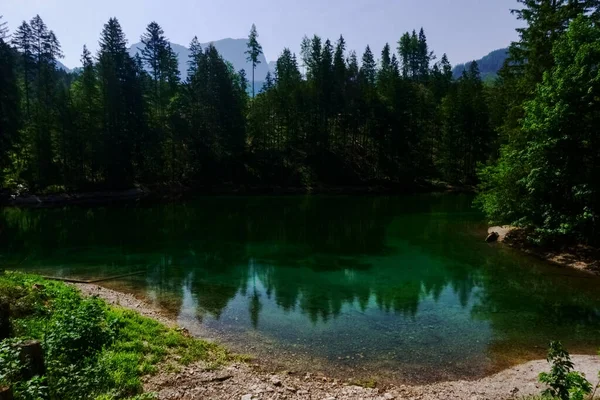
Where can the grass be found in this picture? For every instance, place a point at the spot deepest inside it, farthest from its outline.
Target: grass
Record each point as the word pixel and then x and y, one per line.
pixel 92 350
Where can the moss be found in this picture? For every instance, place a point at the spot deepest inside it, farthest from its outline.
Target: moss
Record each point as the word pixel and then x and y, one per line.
pixel 370 383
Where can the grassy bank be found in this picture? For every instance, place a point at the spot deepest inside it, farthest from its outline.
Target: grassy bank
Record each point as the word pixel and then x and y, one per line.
pixel 91 350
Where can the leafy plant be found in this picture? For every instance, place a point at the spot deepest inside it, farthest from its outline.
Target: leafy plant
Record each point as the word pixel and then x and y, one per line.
pixel 562 381
pixel 92 350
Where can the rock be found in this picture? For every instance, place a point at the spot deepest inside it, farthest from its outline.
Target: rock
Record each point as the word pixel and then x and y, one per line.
pixel 246 397
pixel 275 381
pixel 291 389
pixel 389 396
pixel 501 231
pixel 492 237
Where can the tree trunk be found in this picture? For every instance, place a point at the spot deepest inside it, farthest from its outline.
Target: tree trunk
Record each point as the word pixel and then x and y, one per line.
pixel 32 357
pixel 6 393
pixel 5 328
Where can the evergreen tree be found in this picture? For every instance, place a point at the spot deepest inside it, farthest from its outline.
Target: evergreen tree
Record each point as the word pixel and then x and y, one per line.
pixel 368 69
pixel 423 56
pixel 9 105
pixel 3 30
pixel 121 103
pixel 160 60
pixel 254 51
pixel 22 40
pixel 86 101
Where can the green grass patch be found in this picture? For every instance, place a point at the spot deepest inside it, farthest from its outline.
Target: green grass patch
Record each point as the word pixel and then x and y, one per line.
pixel 92 350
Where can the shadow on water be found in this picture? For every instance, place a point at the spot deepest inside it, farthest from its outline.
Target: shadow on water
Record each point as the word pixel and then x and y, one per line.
pixel 399 287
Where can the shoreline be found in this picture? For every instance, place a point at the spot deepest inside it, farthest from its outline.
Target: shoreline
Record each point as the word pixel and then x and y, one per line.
pixel 579 257
pixel 258 380
pixel 158 194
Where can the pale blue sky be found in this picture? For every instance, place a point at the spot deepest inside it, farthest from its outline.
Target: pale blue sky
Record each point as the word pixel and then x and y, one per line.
pixel 465 29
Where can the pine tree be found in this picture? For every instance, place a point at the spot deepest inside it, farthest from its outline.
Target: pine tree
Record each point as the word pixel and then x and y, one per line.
pixel 3 30
pixel 368 69
pixel 121 104
pixel 160 60
pixel 86 100
pixel 404 51
pixel 9 105
pixel 22 40
pixel 194 56
pixel 424 57
pixel 254 51
pixel 45 123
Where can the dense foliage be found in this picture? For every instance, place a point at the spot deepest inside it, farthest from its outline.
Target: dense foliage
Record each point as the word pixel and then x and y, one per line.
pixel 546 177
pixel 325 118
pixel 91 351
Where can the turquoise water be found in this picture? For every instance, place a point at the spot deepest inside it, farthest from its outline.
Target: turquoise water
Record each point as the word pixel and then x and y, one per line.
pixel 401 288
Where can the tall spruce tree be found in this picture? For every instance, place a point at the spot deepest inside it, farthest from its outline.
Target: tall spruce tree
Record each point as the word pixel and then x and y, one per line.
pixel 161 62
pixel 3 29
pixel 121 105
pixel 9 105
pixel 253 52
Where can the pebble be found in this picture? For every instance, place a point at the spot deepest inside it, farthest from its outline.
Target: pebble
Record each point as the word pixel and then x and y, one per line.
pixel 246 397
pixel 275 381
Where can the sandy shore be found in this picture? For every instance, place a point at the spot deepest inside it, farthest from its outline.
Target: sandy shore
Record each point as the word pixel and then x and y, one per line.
pixel 242 381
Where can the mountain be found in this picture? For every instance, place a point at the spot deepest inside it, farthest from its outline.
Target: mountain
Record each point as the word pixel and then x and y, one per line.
pixel 232 50
pixel 488 65
pixel 62 66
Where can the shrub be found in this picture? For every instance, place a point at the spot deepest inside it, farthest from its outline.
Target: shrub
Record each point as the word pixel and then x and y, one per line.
pixel 562 381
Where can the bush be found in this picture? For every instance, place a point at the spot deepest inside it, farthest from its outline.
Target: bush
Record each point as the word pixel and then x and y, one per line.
pixel 92 351
pixel 563 383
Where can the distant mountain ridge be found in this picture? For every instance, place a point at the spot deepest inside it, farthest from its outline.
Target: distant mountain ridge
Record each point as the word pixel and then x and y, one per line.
pixel 488 65
pixel 62 66
pixel 232 50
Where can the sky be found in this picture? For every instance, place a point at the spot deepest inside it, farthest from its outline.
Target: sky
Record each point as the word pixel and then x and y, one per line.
pixel 464 29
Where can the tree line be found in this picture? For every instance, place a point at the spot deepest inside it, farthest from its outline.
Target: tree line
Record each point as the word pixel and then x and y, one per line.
pixel 327 116
pixel 324 117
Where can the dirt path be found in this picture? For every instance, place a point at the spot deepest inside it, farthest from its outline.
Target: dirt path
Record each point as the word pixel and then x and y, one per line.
pixel 251 382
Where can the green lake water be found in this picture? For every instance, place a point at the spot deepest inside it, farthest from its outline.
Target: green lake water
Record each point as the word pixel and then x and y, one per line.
pixel 399 288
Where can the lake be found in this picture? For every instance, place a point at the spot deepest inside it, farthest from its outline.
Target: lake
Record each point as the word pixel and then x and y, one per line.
pixel 397 288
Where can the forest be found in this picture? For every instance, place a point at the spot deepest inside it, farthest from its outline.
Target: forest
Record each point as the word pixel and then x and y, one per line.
pixel 328 116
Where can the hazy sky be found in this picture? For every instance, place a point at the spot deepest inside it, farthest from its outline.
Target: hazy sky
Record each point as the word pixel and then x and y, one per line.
pixel 465 29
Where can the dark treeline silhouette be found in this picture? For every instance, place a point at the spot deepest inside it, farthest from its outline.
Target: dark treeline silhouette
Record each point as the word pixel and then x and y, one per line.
pixel 324 117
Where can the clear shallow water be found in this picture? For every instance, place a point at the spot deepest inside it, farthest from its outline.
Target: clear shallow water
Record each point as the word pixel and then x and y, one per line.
pixel 400 288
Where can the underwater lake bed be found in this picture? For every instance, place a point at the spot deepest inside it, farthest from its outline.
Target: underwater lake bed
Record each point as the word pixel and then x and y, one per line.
pixel 401 287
